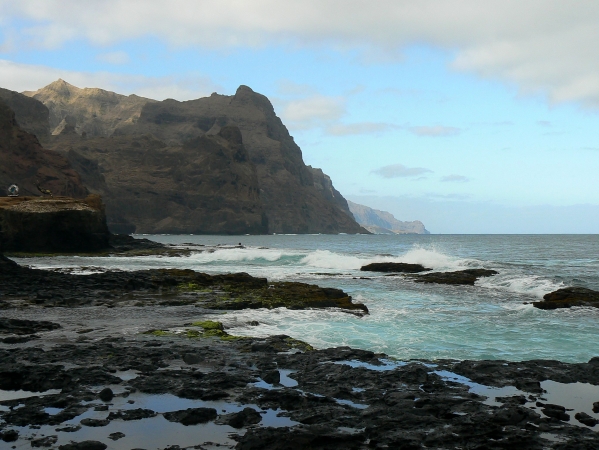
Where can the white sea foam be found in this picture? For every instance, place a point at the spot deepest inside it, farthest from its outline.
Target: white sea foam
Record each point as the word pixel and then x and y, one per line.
pixel 241 254
pixel 520 284
pixel 434 259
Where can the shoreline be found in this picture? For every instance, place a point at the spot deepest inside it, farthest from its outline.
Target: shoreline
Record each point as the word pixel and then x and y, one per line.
pixel 272 393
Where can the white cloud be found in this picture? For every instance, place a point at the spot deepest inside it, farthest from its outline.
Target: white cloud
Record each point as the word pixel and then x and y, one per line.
pixel 455 179
pixel 26 77
pixel 400 171
pixel 434 131
pixel 543 46
pixel 312 111
pixel 116 58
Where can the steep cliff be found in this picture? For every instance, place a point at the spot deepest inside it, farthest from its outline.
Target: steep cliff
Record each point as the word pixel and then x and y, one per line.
pixel 383 222
pixel 33 224
pixel 92 111
pixel 25 162
pixel 207 185
pixel 289 197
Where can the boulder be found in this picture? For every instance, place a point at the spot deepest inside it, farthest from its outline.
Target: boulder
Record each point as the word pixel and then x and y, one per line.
pixel 568 297
pixel 394 267
pixel 460 277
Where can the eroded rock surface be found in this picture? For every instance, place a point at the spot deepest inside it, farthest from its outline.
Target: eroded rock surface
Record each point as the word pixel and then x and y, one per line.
pixel 24 286
pixel 62 224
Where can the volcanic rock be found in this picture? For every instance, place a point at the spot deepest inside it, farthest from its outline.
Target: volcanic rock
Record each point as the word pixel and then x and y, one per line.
pixel 22 326
pixel 170 167
pixel 191 416
pixel 394 267
pixel 31 114
pixel 460 277
pixel 24 161
pixel 32 224
pixel 568 297
pixel 106 395
pixel 84 445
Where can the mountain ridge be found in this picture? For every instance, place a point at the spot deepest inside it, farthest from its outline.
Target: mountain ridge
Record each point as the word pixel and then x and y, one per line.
pixel 293 197
pixel 383 222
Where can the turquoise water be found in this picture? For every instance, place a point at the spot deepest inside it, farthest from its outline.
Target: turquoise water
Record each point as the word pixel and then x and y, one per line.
pixel 407 320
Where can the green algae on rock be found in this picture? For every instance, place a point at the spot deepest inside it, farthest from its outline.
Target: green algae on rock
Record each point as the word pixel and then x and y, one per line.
pixel 168 287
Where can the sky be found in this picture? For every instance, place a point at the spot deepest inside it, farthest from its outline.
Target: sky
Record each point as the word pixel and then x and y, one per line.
pixel 473 117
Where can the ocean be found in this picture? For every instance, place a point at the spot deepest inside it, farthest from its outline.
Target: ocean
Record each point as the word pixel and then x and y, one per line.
pixel 491 320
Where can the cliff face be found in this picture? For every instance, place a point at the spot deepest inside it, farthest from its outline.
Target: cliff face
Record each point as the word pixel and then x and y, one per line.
pixel 169 138
pixel 24 161
pixel 383 222
pixel 208 185
pixel 32 224
pixel 92 111
pixel 33 116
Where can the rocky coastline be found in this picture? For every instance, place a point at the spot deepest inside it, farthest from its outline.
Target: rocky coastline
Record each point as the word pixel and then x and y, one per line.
pixel 141 360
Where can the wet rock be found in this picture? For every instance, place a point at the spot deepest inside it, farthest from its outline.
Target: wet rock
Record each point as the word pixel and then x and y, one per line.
pixel 191 358
pixel 20 326
pixel 47 441
pixel 94 422
pixel 132 414
pixel 116 436
pixel 460 277
pixel 106 395
pixel 18 339
pixel 314 437
pixel 272 377
pixel 568 297
pixel 191 416
pixel 584 418
pixel 84 445
pixel 9 435
pixel 556 412
pixel 248 416
pixel 394 267
pixel 69 429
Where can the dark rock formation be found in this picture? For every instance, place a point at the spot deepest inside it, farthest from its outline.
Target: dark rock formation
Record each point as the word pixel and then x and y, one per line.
pixel 383 222
pixel 342 398
pixel 394 267
pixel 30 224
pixel 228 291
pixel 568 297
pixel 32 115
pixel 169 165
pixel 191 416
pixel 467 277
pixel 25 162
pixel 21 326
pixel 207 185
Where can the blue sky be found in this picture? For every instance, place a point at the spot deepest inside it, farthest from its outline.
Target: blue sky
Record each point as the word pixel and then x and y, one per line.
pixel 474 117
